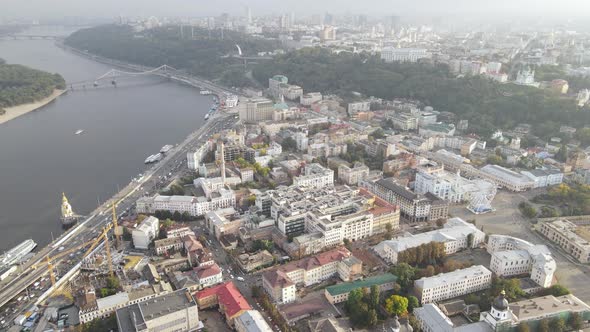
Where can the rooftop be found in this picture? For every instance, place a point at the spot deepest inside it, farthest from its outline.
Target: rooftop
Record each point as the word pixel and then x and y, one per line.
pixel 134 316
pixel 451 277
pixel 547 306
pixel 365 283
pixel 228 295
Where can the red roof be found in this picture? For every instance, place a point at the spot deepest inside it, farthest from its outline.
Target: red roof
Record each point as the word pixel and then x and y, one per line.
pixel 207 271
pixel 228 297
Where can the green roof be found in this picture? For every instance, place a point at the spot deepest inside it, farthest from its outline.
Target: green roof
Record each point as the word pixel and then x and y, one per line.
pixel 347 287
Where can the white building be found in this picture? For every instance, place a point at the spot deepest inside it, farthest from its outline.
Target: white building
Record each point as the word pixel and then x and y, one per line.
pixel 513 256
pixel 565 234
pixel 309 98
pixel 544 177
pixel 251 321
pixel 315 176
pixel 231 101
pixel 506 178
pixel 392 54
pixel 195 158
pixel 176 311
pixel 526 77
pixel 455 236
pixel 145 232
pixel 449 186
pixel 352 176
pixel 449 285
pixel 194 206
pixel 302 141
pixel 359 106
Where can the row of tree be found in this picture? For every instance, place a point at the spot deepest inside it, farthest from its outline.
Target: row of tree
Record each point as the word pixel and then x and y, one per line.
pixel 431 253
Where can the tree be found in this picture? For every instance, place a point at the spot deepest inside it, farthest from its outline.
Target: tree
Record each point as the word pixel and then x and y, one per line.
pixel 561 154
pixel 413 303
pixel 289 144
pixel 377 133
pixel 405 274
pixel 523 327
pixel 429 271
pixel 388 231
pixel 558 325
pixel 113 283
pixel 544 325
pixel 396 305
pixel 374 297
pixel 177 216
pixel 555 290
pixel 372 317
pixel 576 321
pixel 346 243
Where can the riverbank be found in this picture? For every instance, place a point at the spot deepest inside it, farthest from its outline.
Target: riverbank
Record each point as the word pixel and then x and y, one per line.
pixel 16 111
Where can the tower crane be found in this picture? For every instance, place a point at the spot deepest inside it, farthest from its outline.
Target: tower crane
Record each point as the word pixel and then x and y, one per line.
pixel 92 243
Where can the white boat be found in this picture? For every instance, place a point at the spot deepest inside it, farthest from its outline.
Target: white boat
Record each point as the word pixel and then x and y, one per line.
pixel 79 131
pixel 15 254
pixel 205 92
pixel 166 148
pixel 206 116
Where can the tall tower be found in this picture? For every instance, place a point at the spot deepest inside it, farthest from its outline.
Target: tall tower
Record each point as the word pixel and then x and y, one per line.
pixel 222 164
pixel 249 15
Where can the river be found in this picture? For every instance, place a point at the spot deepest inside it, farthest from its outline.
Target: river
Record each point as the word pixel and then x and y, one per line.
pixel 41 157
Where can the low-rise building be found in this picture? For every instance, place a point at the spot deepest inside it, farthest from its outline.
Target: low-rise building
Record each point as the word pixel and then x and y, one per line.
pixel 455 235
pixel 145 232
pixel 506 178
pixel 393 54
pixel 353 175
pixel 413 207
pixel 566 234
pixel 231 302
pixel 449 285
pixel 339 293
pixel 437 129
pixel 251 321
pixel 195 206
pixel 251 262
pixel 544 177
pixel 309 98
pixel 280 283
pixel 166 245
pixel 315 176
pixel 513 256
pixel 404 121
pixel 176 311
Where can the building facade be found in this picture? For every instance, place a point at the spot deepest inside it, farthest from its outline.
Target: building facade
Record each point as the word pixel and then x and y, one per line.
pixel 564 233
pixel 449 285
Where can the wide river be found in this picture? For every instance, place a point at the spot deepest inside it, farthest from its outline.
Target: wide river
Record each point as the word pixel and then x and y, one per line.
pixel 41 157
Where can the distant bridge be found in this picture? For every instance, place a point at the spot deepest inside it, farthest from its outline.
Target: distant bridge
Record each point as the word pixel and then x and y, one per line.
pixel 28 37
pixel 110 78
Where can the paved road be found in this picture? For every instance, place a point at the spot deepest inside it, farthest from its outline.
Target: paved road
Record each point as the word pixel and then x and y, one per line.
pixel 153 180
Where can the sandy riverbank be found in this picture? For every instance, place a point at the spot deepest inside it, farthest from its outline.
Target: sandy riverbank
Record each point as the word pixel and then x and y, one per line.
pixel 16 111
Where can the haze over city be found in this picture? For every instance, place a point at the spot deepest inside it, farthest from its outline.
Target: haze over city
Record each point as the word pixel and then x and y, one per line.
pixel 111 8
pixel 295 166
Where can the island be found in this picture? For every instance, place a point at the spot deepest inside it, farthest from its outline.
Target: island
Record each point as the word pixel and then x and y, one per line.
pixel 24 89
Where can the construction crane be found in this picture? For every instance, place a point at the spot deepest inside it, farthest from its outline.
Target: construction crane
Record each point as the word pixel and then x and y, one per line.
pixel 92 243
pixel 116 228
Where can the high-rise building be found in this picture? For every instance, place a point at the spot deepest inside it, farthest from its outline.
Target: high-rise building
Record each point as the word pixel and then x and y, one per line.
pixel 254 110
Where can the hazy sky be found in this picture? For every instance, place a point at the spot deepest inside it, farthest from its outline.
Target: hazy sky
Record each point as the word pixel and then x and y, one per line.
pixel 111 8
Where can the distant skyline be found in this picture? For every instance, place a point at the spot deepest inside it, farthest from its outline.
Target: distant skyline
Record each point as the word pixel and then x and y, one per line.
pixel 187 8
